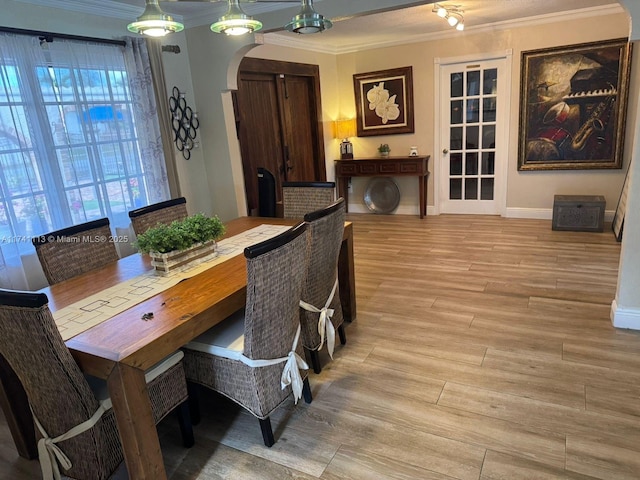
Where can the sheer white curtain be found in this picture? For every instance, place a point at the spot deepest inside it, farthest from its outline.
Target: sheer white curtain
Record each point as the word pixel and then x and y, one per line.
pixel 146 114
pixel 79 140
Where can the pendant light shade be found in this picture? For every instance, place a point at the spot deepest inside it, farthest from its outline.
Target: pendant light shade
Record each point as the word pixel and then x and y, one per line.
pixel 308 20
pixel 154 22
pixel 235 21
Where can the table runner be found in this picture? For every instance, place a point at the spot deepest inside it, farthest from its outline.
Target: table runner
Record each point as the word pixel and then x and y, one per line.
pixel 95 309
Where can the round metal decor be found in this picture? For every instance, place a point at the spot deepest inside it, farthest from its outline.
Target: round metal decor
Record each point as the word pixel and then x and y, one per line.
pixel 382 195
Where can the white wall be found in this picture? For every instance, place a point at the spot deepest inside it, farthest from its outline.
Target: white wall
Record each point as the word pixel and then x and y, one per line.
pixel 526 191
pixel 625 310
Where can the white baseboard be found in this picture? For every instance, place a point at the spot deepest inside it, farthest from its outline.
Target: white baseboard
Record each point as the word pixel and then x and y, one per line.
pixel 625 317
pixel 535 213
pixel 544 213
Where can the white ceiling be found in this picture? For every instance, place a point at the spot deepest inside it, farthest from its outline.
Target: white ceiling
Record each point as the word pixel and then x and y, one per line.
pixel 403 25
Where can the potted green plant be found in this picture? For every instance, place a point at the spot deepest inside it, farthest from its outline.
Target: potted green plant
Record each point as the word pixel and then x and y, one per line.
pixel 183 241
pixel 384 149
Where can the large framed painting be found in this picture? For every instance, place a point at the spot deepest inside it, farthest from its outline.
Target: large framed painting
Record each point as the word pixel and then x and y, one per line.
pixel 573 103
pixel 384 102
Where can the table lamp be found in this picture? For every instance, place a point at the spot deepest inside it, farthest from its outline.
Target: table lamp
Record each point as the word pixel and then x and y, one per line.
pixel 345 129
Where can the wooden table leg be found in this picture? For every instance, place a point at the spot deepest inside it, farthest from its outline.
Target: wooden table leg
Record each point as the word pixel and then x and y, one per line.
pixel 343 191
pixel 14 403
pixel 138 434
pixel 347 275
pixel 422 180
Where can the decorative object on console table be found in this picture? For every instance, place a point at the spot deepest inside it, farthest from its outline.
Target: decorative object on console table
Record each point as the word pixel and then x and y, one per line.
pixel 384 150
pixel 573 104
pixel 578 213
pixel 384 102
pixel 384 167
pixel 344 129
pixel 188 241
pixel 185 123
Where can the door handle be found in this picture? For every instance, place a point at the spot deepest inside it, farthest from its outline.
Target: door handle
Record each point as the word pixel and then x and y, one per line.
pixel 445 151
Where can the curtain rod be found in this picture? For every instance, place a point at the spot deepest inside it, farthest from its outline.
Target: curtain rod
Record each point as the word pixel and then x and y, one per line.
pixel 48 36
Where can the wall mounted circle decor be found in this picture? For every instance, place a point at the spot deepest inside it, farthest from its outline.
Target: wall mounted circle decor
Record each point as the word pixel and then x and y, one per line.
pixel 184 122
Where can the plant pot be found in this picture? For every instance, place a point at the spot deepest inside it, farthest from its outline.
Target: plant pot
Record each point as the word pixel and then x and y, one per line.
pixel 165 263
pixel 384 154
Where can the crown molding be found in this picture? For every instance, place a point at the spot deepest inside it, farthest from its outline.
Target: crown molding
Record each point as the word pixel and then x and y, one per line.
pixel 93 7
pixel 297 42
pixel 127 12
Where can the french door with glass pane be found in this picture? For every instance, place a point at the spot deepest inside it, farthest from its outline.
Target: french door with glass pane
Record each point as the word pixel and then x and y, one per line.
pixel 474 138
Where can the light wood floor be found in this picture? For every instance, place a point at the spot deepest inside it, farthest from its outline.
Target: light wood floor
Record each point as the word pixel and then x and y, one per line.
pixel 482 349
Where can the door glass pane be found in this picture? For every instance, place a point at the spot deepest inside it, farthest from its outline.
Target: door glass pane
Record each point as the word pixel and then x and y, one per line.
pixel 486 189
pixel 490 81
pixel 472 138
pixel 455 164
pixel 471 188
pixel 471 164
pixel 456 138
pixel 489 109
pixel 473 83
pixel 456 112
pixel 455 189
pixel 456 84
pixel 488 163
pixel 473 110
pixel 489 136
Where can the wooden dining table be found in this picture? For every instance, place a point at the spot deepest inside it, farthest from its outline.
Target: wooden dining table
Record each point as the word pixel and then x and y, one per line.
pixel 120 349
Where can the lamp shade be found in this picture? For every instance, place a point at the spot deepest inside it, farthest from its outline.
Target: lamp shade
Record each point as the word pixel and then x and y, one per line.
pixel 345 128
pixel 235 21
pixel 154 22
pixel 308 20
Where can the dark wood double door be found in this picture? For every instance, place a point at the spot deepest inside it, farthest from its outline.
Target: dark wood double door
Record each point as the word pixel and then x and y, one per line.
pixel 278 118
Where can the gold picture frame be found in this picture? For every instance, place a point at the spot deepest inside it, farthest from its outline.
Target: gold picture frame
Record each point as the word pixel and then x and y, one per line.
pixel 573 102
pixel 384 102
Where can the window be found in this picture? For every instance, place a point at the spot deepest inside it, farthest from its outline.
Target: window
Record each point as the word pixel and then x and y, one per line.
pixel 70 138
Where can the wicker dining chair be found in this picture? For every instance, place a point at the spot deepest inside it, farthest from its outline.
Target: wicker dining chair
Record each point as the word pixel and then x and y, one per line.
pixel 299 198
pixel 144 218
pixel 75 250
pixel 243 357
pixel 61 397
pixel 320 308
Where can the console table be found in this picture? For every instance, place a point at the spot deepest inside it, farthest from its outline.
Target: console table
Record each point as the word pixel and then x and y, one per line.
pixel 384 167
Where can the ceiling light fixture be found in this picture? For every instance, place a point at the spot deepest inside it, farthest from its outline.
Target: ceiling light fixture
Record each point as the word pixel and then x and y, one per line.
pixel 235 21
pixel 308 20
pixel 451 13
pixel 154 22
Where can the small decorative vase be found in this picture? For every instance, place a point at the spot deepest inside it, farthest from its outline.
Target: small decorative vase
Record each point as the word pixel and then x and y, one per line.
pixel 384 154
pixel 165 263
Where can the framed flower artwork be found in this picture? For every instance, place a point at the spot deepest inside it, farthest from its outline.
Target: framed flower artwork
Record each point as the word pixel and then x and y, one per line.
pixel 384 102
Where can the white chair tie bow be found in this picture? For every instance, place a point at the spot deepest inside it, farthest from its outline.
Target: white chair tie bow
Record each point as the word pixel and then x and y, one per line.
pixel 50 454
pixel 325 326
pixel 291 371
